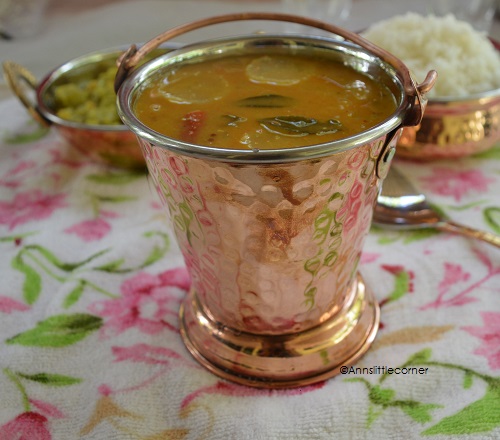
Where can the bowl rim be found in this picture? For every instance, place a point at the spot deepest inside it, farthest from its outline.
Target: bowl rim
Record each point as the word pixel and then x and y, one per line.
pixel 46 83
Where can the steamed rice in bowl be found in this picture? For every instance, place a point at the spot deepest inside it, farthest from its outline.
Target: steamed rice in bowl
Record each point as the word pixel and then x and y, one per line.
pixel 463 113
pixel 466 60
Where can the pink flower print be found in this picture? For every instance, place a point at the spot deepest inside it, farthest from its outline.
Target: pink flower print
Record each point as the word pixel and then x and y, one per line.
pixel 22 166
pixel 454 274
pixel 156 206
pixel 47 409
pixel 108 214
pixel 26 426
pixel 490 337
pixel 10 305
pixel 176 278
pixel 369 257
pixel 234 390
pixel 90 230
pixel 145 353
pixel 10 181
pixel 29 206
pixel 146 303
pixel 58 158
pixel 457 184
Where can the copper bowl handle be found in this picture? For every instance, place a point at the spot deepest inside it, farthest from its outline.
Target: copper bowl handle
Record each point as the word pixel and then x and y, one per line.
pixel 18 77
pixel 414 92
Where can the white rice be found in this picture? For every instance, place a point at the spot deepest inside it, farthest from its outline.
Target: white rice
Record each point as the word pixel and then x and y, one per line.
pixel 465 59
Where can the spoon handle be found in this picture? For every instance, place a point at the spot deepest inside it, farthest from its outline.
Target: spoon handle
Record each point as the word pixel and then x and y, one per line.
pixel 456 228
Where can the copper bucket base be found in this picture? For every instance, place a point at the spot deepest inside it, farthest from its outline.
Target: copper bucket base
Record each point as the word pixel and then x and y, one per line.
pixel 283 361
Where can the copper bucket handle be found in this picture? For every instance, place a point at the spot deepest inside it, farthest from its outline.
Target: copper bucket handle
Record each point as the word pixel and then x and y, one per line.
pixel 414 92
pixel 17 78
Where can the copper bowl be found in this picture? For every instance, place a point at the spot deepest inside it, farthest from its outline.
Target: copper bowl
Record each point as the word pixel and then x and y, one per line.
pixel 454 127
pixel 113 145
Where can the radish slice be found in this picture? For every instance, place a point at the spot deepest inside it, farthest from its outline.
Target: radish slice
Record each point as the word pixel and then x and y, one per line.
pixel 194 88
pixel 277 70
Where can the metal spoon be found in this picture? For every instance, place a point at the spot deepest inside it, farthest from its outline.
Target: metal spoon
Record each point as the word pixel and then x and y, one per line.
pixel 401 206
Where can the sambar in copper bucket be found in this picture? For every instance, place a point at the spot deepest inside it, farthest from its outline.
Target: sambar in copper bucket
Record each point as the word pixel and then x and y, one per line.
pixel 271 233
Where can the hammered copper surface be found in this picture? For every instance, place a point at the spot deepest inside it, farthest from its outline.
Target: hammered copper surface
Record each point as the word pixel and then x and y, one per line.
pixel 273 251
pixel 118 148
pixel 452 129
pixel 289 360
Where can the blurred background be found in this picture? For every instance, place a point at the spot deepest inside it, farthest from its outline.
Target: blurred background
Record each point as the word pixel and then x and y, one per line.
pixel 42 34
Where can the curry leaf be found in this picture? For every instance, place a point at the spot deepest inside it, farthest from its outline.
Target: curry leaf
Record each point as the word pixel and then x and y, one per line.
pixel 268 101
pixel 58 331
pixel 55 380
pixel 233 120
pixel 297 126
pixel 32 281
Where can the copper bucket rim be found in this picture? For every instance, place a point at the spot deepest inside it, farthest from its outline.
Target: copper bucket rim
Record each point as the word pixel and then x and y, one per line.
pixel 409 112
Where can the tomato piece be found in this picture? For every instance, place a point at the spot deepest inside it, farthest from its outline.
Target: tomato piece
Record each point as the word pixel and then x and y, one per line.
pixel 192 123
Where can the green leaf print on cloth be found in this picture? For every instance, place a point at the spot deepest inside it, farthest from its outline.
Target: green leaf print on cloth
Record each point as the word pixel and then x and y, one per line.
pixel 54 380
pixel 482 415
pixel 492 153
pixel 492 218
pixel 34 133
pixel 44 260
pixel 114 178
pixel 387 237
pixel 383 398
pixel 32 281
pixel 58 331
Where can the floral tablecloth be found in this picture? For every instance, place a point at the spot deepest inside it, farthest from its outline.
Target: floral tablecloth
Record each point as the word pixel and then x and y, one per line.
pixel 91 281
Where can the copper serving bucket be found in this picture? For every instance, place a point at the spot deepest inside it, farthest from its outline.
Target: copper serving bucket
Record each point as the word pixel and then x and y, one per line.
pixel 273 239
